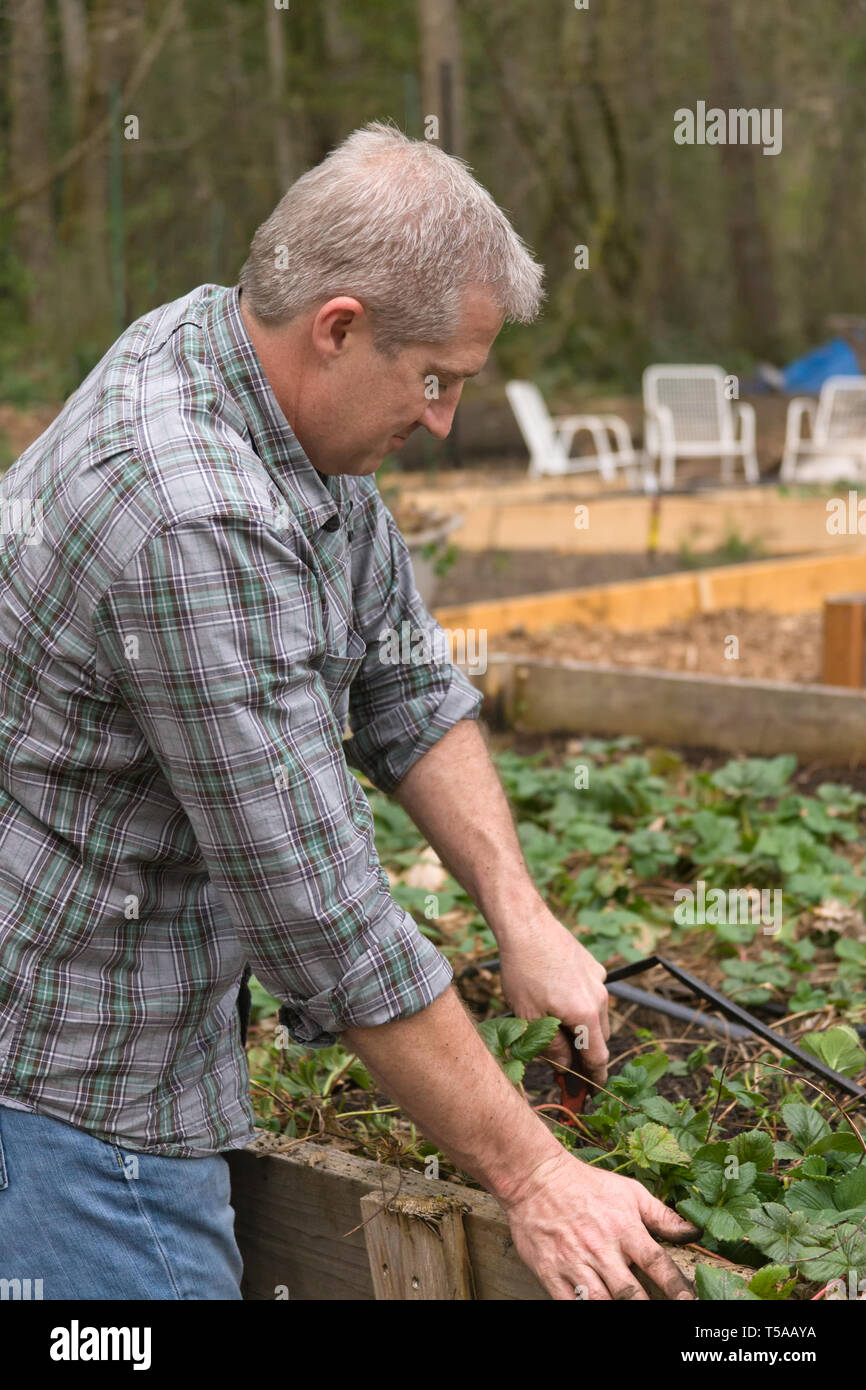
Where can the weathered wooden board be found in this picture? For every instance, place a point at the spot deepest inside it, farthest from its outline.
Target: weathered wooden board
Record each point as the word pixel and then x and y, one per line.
pixel 299 1226
pixel 844 654
pixel 731 714
pixel 417 1249
pixel 776 586
pixel 525 513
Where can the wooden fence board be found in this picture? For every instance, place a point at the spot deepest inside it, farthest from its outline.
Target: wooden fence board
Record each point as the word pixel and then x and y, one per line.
pixel 776 586
pixel 294 1212
pixel 732 714
pixel 299 1226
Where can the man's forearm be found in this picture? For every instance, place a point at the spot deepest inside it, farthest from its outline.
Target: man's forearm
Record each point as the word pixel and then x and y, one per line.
pixel 454 796
pixel 437 1069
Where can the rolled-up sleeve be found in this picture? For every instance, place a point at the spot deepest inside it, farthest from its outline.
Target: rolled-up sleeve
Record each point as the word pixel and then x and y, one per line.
pixel 407 693
pixel 214 634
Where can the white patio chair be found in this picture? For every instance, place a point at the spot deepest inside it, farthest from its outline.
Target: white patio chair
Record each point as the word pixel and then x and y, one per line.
pixel 688 415
pixel 549 438
pixel 837 447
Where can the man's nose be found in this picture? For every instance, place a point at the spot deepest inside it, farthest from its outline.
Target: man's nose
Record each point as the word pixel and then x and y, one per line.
pixel 439 416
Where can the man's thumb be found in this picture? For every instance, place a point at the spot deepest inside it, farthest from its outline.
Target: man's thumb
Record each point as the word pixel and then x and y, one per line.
pixel 665 1222
pixel 560 1049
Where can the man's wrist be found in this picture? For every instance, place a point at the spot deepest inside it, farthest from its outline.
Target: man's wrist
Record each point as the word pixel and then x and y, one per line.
pixel 511 906
pixel 520 1180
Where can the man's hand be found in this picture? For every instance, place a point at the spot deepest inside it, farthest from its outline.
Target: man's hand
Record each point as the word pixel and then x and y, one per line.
pixel 545 971
pixel 579 1228
pixel 573 1225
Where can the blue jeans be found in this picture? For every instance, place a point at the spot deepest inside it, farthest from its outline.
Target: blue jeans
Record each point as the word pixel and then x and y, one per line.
pixel 91 1220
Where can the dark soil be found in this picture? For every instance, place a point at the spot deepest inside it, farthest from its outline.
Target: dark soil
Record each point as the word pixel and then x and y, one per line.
pixel 491 574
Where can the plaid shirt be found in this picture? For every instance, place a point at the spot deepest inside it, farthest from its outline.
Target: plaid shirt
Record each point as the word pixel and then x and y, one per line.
pixel 190 614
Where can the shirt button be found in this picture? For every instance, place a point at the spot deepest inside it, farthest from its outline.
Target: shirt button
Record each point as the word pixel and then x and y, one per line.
pixel 332 524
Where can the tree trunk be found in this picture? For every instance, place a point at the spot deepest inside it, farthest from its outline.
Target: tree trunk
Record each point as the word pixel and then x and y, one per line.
pixel 756 315
pixel 276 20
pixel 442 90
pixel 73 35
pixel 115 37
pixel 28 149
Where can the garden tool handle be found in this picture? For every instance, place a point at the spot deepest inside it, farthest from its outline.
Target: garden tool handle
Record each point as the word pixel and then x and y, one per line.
pixel 574 1089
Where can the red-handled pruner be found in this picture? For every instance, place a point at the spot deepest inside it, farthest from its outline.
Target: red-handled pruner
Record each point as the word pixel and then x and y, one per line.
pixel 574 1090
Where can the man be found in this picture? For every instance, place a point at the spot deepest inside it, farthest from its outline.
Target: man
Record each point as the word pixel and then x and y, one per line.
pixel 183 636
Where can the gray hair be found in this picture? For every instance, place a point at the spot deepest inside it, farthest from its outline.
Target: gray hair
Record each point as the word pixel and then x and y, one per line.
pixel 399 225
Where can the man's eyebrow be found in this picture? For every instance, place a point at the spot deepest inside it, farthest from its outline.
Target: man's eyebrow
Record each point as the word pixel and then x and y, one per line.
pixel 451 371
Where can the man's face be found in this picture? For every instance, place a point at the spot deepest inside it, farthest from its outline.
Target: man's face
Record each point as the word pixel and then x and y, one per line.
pixel 350 406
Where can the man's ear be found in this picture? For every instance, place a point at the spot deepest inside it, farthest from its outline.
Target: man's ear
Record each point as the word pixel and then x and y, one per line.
pixel 335 322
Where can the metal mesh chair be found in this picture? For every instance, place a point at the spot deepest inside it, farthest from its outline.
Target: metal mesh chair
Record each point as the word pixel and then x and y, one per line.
pixel 836 449
pixel 549 439
pixel 688 415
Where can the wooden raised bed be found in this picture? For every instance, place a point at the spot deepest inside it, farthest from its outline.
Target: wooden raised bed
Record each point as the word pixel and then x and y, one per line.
pixel 315 1223
pixel 762 718
pixel 778 586
pixel 538 514
pixel 733 714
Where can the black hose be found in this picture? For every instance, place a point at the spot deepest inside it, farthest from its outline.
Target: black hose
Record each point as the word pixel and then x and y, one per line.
pixel 660 1005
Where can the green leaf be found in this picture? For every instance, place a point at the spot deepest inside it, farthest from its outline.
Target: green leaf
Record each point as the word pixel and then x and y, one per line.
pixel 696 1211
pixel 722 1286
pixel 808 1195
pixel 508 1030
pixel 658 1109
pixel 652 1143
pixel 850 1191
pixel 757 777
pixel 514 1071
pixel 785 1236
pixel 842 1141
pixel 805 1124
pixel 754 1147
pixel 725 1223
pixel 839 1047
pixel 773 1282
pixel 590 837
pixel 538 1036
pixel 655 1064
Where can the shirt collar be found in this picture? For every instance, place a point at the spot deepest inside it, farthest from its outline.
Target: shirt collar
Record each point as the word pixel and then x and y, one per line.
pixel 271 434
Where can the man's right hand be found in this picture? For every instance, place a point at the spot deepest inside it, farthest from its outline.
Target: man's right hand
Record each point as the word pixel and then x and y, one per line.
pixel 573 1225
pixel 578 1228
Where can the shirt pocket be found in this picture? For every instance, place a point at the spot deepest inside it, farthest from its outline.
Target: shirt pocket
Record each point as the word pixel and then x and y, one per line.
pixel 339 668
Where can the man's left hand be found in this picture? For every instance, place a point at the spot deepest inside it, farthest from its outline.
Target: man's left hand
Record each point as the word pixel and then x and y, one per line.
pixel 545 971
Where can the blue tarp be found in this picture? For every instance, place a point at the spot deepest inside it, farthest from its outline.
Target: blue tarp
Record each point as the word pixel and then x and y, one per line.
pixel 806 375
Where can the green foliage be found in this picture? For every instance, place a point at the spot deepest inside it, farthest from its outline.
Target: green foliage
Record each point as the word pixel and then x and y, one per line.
pixel 262 1003
pixel 839 1047
pixel 785 1191
pixel 514 1041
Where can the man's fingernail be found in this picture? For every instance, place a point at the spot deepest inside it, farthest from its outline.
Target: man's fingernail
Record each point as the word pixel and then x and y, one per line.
pixel 685 1294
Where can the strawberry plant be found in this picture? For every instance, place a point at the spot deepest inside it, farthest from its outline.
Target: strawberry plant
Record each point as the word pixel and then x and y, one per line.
pixel 770 1166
